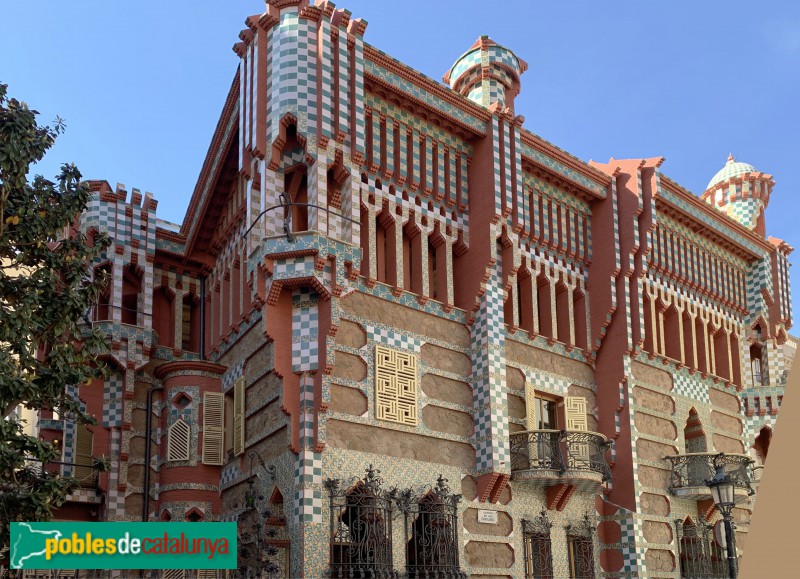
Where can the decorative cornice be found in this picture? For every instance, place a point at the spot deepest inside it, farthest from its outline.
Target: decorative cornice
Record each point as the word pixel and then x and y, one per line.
pixel 167 370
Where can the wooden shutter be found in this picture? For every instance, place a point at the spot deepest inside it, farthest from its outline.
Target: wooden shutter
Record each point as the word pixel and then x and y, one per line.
pixel 178 435
pixel 530 407
pixel 213 428
pixel 575 413
pixel 173 574
pixel 83 453
pixel 238 417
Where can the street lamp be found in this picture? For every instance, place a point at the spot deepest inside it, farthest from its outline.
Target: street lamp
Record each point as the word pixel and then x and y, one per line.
pixel 722 491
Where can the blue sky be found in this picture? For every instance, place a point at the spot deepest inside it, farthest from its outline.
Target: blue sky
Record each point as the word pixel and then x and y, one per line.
pixel 141 84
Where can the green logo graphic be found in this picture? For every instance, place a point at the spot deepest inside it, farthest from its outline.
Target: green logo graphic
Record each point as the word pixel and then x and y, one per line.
pixel 123 545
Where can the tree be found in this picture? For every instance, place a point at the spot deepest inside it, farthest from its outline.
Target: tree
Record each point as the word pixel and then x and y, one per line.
pixel 46 287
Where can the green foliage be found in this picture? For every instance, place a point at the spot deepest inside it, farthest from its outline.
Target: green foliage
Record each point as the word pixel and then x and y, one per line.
pixel 46 287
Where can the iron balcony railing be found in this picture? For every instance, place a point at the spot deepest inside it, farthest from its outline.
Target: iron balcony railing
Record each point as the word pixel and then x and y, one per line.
pixel 560 450
pixel 694 469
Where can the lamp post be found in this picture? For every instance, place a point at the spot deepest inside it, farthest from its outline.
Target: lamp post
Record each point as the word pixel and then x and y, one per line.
pixel 722 491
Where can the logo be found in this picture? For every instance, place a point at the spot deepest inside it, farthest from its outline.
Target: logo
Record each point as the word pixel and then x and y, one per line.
pixel 123 545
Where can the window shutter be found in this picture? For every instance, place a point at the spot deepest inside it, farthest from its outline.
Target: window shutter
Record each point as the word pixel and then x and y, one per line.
pixel 178 440
pixel 174 574
pixel 530 407
pixel 213 428
pixel 83 453
pixel 575 413
pixel 238 417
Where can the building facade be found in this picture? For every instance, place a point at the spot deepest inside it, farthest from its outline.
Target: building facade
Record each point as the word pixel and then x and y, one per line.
pixel 387 292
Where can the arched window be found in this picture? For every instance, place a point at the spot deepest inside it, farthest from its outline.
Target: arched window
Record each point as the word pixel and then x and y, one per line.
pixel 361 529
pixel 700 554
pixel 432 547
pixel 580 549
pixel 102 312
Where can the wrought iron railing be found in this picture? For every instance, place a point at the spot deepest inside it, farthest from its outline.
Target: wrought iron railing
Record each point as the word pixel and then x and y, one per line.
pixel 561 450
pixel 87 475
pixel 431 532
pixel 701 557
pixel 538 547
pixel 694 469
pixel 361 516
pixel 361 528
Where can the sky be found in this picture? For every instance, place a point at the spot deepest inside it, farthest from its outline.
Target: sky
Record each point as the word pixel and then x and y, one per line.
pixel 141 84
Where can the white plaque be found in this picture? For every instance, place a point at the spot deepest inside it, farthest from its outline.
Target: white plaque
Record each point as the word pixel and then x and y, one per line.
pixel 487 517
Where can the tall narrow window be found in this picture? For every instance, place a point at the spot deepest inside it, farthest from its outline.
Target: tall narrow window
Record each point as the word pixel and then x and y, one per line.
pixel 131 286
pixel 538 547
pixel 580 547
pixel 432 534
pixel 190 323
pixel 432 271
pixel 164 316
pixel 756 368
pixel 544 310
pixel 213 428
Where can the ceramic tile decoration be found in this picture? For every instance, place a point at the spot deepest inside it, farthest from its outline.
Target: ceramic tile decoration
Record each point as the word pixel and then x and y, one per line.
pixel 400 276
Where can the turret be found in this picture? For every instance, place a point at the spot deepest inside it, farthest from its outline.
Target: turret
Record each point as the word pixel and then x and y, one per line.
pixel 741 191
pixel 487 73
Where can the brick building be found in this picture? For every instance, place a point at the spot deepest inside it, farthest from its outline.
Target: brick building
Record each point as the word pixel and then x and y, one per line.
pixel 380 272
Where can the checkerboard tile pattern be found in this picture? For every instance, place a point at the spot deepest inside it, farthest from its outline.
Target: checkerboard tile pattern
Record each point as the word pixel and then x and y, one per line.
pixel 305 333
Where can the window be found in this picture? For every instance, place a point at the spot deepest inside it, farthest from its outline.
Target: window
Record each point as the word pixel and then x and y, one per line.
pixel 178 435
pixel 546 414
pixel 213 434
pixel 538 548
pixel 580 546
pixel 700 555
pixel 432 548
pixel 361 538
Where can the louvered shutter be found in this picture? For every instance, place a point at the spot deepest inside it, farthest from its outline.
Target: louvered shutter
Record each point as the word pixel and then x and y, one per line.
pixel 83 453
pixel 213 428
pixel 174 574
pixel 208 573
pixel 178 436
pixel 238 417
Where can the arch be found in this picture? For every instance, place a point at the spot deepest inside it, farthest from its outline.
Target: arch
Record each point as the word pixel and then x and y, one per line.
pixel 164 316
pixel 195 515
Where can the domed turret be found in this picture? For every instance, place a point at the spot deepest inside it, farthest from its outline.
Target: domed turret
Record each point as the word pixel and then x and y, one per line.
pixel 741 191
pixel 487 73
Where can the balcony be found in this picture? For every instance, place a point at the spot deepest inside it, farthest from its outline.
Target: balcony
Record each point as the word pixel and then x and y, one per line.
pixel 549 457
pixel 691 471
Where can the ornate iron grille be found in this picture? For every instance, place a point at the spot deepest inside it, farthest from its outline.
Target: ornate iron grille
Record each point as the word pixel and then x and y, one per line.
pixel 431 531
pixel 693 470
pixel 361 528
pixel 538 548
pixel 580 542
pixel 560 450
pixel 700 555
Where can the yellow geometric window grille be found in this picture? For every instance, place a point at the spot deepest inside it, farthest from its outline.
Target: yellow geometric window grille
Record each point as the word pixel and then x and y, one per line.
pixel 396 388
